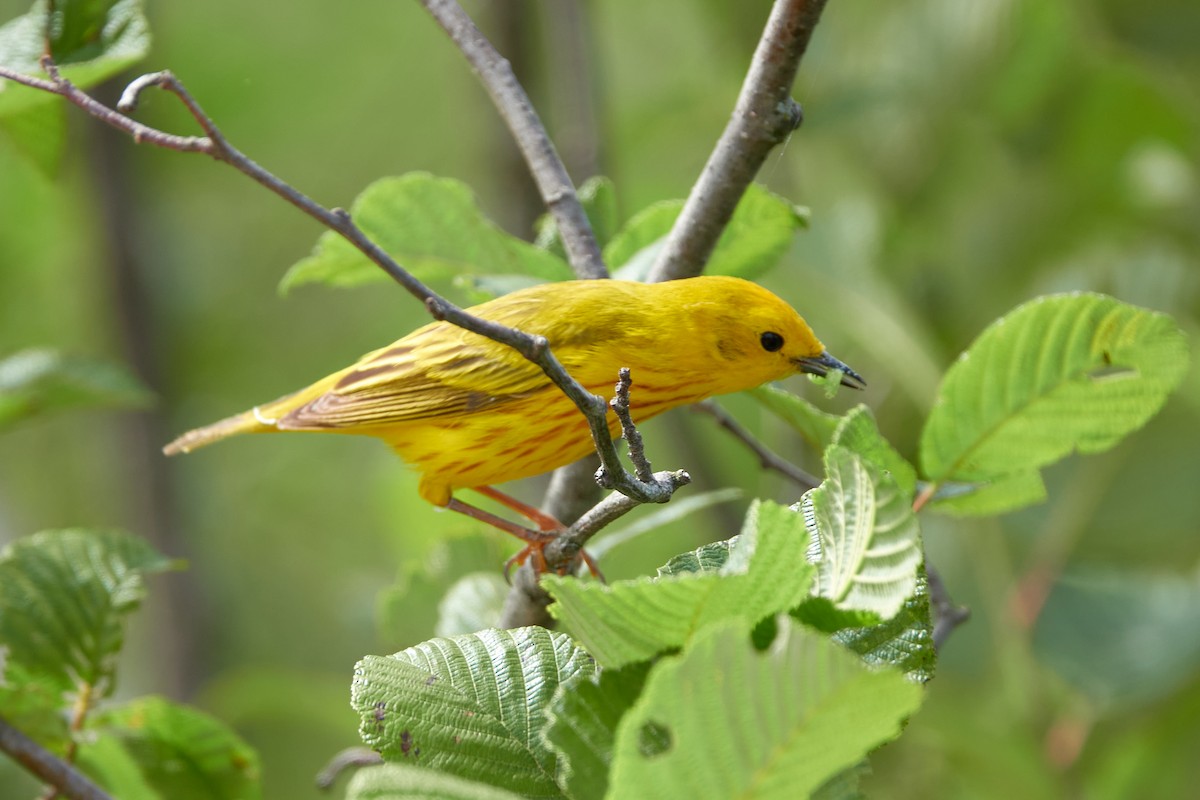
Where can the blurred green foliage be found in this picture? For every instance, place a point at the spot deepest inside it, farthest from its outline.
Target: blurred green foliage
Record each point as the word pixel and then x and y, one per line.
pixel 957 159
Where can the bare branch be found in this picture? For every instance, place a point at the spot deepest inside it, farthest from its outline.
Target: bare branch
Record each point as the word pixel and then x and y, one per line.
pixel 66 780
pixel 764 116
pixel 766 458
pixel 510 100
pixel 946 615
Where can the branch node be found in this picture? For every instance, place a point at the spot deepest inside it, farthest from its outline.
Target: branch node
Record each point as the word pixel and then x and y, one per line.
pixel 604 478
pixel 47 62
pixel 537 346
pixel 342 214
pixel 793 112
pixel 436 308
pixel 133 92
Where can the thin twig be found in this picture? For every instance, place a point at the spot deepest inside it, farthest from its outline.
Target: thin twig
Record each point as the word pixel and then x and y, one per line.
pixel 766 458
pixel 534 348
pixel 637 447
pixel 946 615
pixel 66 780
pixel 344 760
pixel 510 100
pixel 764 116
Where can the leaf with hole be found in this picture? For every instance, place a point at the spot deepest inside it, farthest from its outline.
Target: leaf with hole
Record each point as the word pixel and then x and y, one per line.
pixel 725 720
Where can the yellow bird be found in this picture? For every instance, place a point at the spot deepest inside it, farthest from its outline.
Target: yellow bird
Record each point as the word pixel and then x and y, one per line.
pixel 468 412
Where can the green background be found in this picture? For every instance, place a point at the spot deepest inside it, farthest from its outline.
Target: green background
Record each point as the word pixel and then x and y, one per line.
pixel 958 158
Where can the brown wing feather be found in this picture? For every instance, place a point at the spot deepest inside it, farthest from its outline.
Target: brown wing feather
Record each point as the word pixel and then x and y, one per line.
pixel 437 371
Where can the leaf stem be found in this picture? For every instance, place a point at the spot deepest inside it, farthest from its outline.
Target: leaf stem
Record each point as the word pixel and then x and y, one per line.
pixel 924 496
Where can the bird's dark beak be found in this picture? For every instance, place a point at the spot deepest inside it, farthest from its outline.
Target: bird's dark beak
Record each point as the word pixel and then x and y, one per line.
pixel 825 363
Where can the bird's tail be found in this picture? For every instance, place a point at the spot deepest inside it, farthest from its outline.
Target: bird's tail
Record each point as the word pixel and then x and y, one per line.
pixel 246 422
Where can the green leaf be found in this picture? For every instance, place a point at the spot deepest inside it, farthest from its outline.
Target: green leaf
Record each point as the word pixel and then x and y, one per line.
pixel 182 753
pixel 724 720
pixel 858 432
pixel 104 758
pixel 816 426
pixel 757 237
pixel 470 706
pixel 865 539
pixel 91 41
pixel 1124 639
pixel 905 641
pixel 598 196
pixel 1058 374
pixel 430 225
pixel 473 603
pixel 37 381
pixel 632 252
pixel 64 596
pixel 820 613
pixel 40 133
pixel 405 782
pixel 635 620
pixel 581 727
pixel 709 557
pixel 844 785
pixel 33 704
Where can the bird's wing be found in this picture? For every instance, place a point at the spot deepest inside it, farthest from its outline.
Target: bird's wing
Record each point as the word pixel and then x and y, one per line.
pixel 438 371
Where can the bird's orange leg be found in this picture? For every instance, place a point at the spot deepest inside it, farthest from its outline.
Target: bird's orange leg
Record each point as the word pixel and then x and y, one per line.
pixel 535 541
pixel 544 521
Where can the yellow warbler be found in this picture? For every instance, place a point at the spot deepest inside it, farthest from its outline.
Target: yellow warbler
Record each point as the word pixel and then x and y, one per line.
pixel 468 412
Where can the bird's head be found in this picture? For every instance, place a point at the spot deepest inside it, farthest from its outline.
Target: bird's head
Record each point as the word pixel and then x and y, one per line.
pixel 753 336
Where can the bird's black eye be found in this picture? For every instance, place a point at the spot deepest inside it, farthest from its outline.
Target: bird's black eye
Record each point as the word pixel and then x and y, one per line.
pixel 771 341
